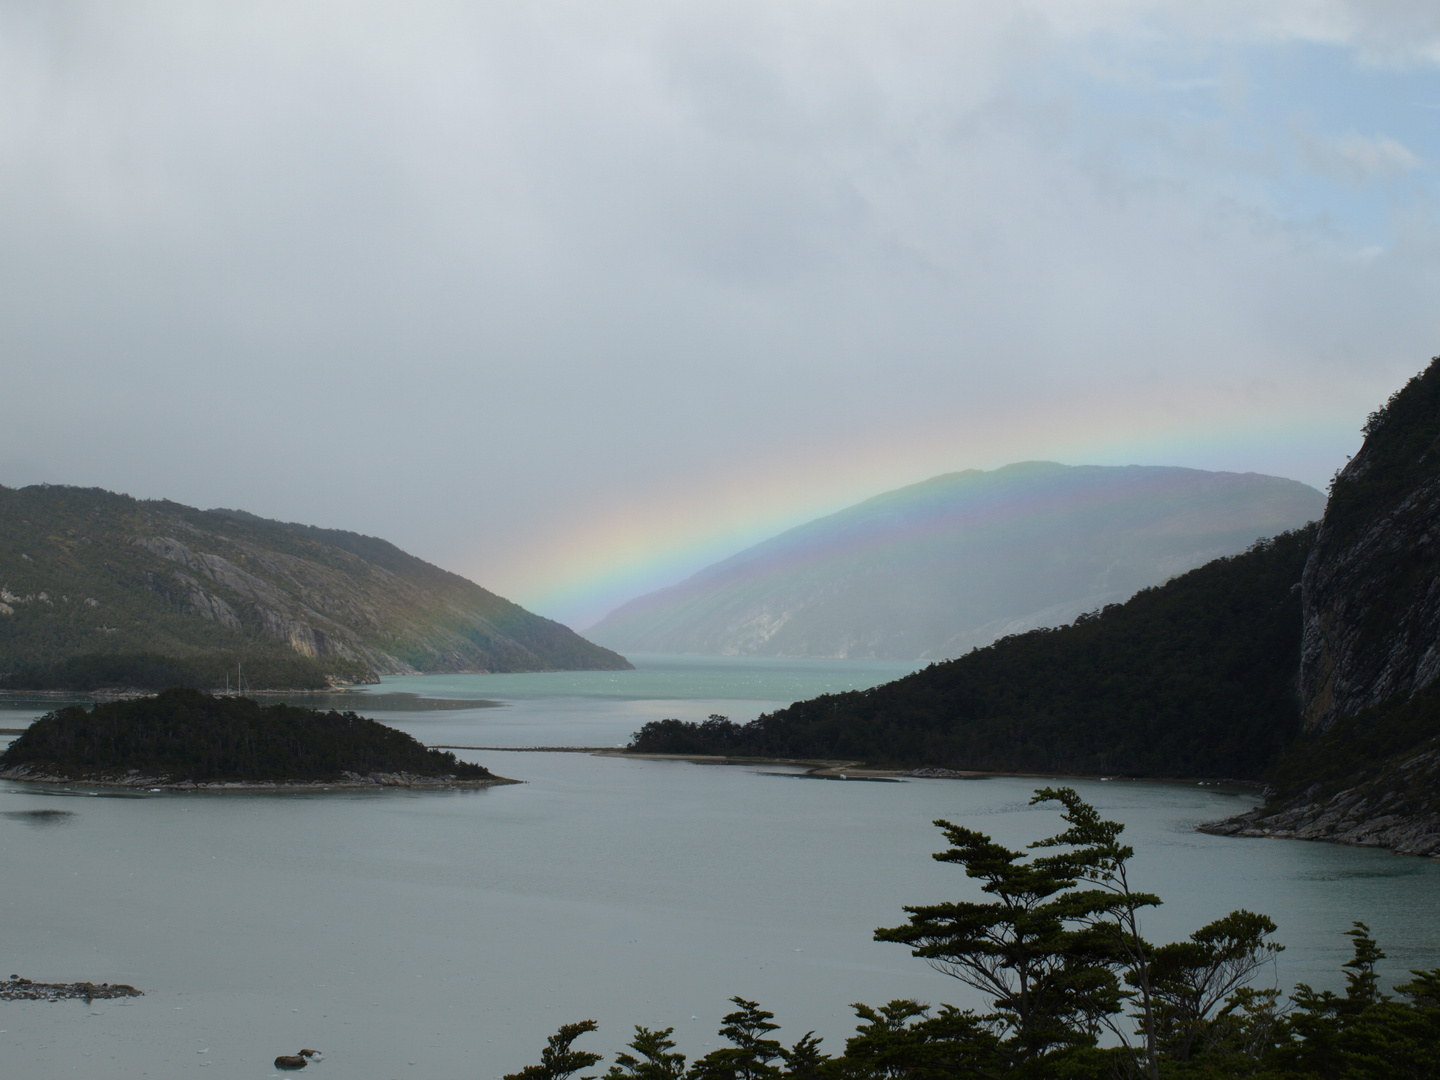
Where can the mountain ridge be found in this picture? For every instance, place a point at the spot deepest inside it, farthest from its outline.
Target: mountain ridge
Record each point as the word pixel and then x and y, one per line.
pixel 96 585
pixel 932 569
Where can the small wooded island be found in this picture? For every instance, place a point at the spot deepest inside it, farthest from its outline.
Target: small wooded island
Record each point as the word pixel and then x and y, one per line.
pixel 184 739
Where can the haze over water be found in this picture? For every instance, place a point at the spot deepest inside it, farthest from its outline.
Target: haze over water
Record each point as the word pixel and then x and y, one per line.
pixel 456 930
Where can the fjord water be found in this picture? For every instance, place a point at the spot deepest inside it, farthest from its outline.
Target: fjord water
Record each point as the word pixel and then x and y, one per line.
pixel 445 934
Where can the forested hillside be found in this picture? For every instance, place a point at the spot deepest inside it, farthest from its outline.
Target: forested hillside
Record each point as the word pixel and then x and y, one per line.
pixel 1192 678
pixel 99 589
pixel 1311 661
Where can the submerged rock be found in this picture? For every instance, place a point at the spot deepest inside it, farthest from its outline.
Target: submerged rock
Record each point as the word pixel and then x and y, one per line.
pixel 17 989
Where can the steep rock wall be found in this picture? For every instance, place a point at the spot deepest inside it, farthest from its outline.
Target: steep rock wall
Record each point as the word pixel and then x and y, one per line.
pixel 1371 588
pixel 1367 771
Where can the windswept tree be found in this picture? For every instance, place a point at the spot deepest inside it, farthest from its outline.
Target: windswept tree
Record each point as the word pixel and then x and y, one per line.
pixel 1038 948
pixel 654 1058
pixel 1059 951
pixel 558 1060
pixel 906 1040
pixel 1190 980
pixel 1094 855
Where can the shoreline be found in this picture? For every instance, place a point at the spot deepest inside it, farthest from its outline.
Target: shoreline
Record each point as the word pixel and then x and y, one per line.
pixel 1384 834
pixel 831 768
pixel 130 693
pixel 351 782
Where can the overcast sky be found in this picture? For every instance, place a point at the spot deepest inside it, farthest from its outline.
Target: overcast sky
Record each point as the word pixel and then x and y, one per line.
pixel 574 298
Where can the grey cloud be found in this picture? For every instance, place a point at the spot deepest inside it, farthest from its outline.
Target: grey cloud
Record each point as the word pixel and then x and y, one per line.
pixel 465 275
pixel 1355 159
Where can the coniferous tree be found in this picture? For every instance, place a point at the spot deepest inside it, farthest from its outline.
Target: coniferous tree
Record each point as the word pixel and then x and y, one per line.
pixel 751 1051
pixel 655 1060
pixel 558 1060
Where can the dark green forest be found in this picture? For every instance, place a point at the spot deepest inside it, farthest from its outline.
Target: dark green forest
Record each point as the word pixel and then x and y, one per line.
pixel 1195 677
pixel 1075 991
pixel 264 668
pixel 186 735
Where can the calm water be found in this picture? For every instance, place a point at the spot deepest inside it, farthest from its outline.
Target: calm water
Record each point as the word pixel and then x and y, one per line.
pixel 446 934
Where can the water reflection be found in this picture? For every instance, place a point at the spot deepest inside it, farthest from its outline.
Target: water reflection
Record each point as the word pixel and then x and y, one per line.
pixel 39 817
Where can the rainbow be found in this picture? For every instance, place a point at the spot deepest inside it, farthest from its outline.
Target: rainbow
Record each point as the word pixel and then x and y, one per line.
pixel 660 538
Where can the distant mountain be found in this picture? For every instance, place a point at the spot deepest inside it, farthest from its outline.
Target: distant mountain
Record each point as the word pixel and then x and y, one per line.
pixel 933 570
pixel 99 589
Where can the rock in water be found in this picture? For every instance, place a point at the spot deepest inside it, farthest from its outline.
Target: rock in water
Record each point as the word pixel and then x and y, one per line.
pixel 290 1062
pixel 17 989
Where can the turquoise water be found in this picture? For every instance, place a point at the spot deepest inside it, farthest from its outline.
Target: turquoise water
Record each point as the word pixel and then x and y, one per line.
pixel 604 708
pixel 676 678
pixel 456 930
pixel 577 708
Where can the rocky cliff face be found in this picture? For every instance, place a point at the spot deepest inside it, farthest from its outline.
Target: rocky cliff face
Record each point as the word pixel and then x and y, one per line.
pixel 1371 590
pixel 1367 771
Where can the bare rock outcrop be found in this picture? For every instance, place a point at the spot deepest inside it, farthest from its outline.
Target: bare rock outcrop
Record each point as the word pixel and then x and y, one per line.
pixel 1371 596
pixel 1395 807
pixel 1371 588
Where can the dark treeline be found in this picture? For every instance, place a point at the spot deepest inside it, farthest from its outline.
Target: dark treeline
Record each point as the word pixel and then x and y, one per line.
pixel 184 734
pixel 267 668
pixel 1075 991
pixel 1195 677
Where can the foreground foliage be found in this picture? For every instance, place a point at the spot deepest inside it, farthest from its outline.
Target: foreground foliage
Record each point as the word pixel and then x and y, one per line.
pixel 1076 993
pixel 187 735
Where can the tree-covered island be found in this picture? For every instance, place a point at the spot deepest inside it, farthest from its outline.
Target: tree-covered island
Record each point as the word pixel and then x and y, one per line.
pixel 185 739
